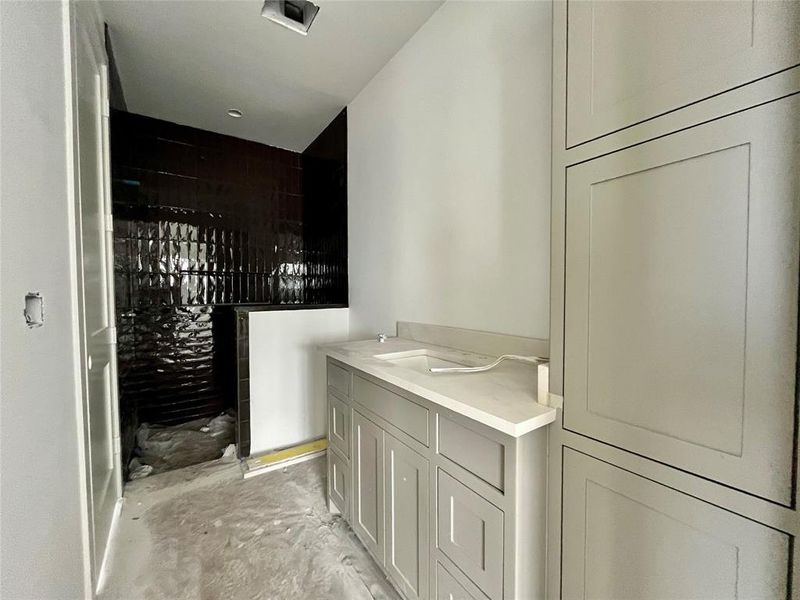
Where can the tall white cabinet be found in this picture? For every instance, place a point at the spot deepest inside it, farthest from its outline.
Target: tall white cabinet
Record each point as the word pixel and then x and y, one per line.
pixel 628 62
pixel 676 246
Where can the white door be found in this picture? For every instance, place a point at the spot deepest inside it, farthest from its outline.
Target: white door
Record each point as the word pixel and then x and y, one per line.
pixel 96 292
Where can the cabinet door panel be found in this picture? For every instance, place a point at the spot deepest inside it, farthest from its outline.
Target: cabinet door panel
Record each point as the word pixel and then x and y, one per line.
pixel 681 299
pixel 470 533
pixel 448 588
pixel 628 537
pixel 631 61
pixel 367 520
pixel 407 522
pixel 339 482
pixel 339 424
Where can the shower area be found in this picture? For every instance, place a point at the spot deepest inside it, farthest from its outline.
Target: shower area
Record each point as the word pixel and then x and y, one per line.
pixel 209 229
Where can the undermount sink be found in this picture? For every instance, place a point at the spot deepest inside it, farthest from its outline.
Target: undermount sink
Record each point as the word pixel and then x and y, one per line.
pixel 418 360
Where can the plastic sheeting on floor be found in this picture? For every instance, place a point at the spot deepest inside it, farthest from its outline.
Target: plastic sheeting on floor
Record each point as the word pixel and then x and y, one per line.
pixel 166 447
pixel 205 533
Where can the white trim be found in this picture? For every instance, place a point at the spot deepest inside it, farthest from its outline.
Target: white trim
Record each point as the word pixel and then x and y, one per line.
pixel 77 351
pixel 104 567
pixel 109 233
pixel 85 15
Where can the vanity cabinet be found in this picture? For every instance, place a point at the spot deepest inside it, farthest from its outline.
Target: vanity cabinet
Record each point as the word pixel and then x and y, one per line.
pixel 449 507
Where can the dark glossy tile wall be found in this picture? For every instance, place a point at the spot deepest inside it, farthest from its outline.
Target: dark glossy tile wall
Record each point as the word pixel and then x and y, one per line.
pixel 203 220
pixel 325 209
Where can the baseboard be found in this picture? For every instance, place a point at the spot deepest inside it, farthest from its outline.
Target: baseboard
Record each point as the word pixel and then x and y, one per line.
pixel 272 461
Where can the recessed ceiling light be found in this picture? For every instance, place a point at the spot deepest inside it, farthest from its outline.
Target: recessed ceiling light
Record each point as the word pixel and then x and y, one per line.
pixel 235 113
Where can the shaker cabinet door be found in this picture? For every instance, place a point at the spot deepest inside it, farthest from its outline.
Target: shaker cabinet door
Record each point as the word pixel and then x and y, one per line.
pixel 407 518
pixel 367 517
pixel 631 61
pixel 339 482
pixel 469 531
pixel 627 537
pixel 682 299
pixel 339 424
pixel 448 588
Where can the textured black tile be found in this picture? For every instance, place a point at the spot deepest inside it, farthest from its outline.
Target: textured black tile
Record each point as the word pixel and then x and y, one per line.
pixel 203 220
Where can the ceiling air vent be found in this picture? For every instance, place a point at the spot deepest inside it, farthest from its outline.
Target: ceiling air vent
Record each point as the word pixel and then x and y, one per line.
pixel 296 15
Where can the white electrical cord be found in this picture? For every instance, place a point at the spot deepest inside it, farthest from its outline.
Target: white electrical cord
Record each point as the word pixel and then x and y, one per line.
pixel 528 359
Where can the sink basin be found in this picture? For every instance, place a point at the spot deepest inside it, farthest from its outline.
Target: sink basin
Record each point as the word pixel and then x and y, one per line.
pixel 419 360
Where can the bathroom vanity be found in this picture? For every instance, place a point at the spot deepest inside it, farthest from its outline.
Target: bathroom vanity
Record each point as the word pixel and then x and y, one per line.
pixel 441 476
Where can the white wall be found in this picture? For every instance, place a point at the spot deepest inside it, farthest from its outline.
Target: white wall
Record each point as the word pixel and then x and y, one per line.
pixel 287 374
pixel 449 176
pixel 40 483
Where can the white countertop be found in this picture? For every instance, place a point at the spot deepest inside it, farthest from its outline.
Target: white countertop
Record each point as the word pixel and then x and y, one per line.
pixel 503 398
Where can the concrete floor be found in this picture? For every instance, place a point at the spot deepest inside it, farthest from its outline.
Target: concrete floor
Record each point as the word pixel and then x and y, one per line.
pixel 204 532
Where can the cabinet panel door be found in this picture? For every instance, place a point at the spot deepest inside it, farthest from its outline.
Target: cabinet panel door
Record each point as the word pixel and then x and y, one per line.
pixel 339 424
pixel 469 531
pixel 448 588
pixel 681 299
pixel 625 536
pixel 630 61
pixel 407 518
pixel 367 519
pixel 339 482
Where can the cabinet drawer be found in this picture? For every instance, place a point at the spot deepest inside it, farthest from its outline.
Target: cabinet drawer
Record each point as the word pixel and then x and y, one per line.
pixel 625 536
pixel 339 424
pixel 339 482
pixel 470 533
pixel 475 452
pixel 339 379
pixel 447 588
pixel 407 416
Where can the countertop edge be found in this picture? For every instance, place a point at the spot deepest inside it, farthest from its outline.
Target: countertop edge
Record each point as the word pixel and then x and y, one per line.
pixel 515 430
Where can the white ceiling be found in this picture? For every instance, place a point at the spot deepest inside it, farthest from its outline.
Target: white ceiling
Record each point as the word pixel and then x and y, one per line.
pixel 189 61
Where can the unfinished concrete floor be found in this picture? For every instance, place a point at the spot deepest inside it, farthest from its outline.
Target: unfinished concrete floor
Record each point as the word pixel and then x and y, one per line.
pixel 204 532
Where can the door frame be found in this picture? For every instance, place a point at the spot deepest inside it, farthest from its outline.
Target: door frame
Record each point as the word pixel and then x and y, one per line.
pixel 84 19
